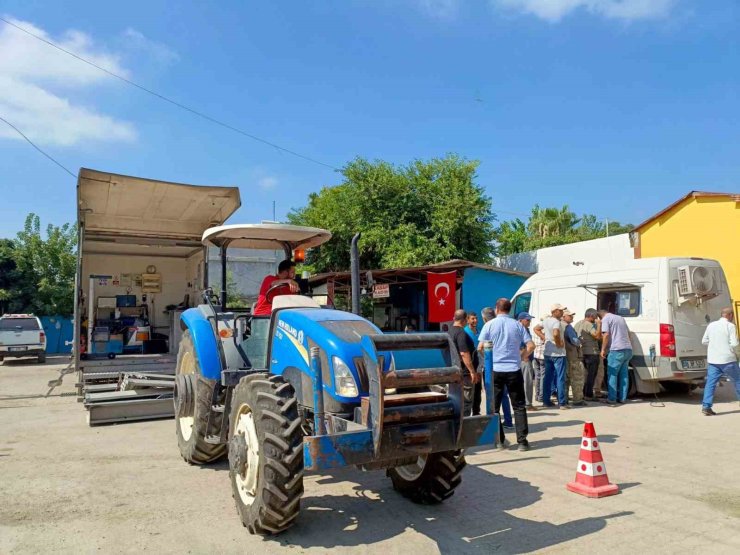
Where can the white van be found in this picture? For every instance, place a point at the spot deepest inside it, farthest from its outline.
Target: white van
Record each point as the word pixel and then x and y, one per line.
pixel 667 303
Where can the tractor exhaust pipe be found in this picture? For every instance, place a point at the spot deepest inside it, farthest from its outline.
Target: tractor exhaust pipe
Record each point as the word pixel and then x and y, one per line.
pixel 354 257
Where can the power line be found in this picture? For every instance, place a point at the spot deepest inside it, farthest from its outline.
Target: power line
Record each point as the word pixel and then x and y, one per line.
pixel 36 147
pixel 170 101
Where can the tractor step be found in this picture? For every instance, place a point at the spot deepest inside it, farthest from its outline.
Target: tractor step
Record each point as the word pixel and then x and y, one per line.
pixel 213 440
pixel 217 408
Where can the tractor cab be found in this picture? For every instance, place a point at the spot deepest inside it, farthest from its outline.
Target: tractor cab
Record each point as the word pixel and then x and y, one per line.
pixel 248 332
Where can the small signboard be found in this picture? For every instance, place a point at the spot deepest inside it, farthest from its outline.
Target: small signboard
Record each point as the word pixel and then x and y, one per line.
pixel 381 291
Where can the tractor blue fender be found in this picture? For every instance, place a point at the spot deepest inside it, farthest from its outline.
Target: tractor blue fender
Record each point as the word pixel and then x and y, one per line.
pixel 204 342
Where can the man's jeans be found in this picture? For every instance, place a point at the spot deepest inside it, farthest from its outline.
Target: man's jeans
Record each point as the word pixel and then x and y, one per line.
pixel 714 373
pixel 617 365
pixel 554 372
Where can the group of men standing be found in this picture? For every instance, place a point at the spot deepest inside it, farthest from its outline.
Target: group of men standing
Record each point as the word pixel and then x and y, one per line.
pixel 571 356
pixel 548 360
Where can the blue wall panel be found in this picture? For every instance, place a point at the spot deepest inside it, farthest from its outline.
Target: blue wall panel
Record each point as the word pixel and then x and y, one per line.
pixel 481 288
pixel 59 330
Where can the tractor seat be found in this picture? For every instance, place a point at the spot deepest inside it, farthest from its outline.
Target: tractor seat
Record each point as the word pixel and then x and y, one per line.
pixel 293 301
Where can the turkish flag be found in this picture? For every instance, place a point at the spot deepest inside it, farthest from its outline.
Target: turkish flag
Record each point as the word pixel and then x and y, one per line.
pixel 441 293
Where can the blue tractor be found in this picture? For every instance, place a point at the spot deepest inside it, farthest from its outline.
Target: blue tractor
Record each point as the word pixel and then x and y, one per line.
pixel 311 388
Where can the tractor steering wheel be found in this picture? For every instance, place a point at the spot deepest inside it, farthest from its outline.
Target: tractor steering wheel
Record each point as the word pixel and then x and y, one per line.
pixel 274 288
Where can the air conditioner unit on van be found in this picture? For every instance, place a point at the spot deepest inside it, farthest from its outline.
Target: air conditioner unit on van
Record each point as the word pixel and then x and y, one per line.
pixel 697 280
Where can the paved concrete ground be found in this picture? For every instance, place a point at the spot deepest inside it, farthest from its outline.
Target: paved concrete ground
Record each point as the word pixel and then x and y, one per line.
pixel 68 488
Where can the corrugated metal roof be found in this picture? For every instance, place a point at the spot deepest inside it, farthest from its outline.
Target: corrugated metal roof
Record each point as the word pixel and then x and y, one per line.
pixel 449 265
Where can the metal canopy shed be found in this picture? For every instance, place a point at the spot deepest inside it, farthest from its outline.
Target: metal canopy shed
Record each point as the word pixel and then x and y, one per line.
pixel 140 263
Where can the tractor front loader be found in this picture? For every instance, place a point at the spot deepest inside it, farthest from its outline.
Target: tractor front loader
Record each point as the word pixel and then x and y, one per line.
pixel 310 388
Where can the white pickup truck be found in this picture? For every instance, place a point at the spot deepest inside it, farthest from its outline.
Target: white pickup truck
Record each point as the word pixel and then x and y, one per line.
pixel 21 335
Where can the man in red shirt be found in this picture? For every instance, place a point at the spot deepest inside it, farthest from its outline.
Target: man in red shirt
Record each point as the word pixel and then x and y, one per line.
pixel 286 285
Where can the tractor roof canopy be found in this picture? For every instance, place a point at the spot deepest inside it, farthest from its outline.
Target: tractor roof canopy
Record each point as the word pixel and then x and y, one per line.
pixel 265 236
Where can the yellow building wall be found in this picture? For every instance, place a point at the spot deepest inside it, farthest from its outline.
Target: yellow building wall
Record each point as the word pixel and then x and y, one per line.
pixel 707 227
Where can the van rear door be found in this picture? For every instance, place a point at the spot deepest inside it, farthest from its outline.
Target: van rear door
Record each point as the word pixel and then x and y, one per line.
pixel 691 317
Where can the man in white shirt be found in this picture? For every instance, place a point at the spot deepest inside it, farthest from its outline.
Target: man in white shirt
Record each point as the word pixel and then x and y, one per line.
pixel 722 342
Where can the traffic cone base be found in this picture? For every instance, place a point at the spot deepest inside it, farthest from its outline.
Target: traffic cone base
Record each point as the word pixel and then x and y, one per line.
pixel 591 479
pixel 599 491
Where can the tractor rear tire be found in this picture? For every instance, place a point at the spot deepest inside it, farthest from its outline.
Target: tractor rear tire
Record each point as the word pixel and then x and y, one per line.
pixel 266 453
pixel 432 479
pixel 192 429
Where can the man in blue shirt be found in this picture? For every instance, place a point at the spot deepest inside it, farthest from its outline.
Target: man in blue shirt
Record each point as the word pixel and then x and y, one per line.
pixel 510 342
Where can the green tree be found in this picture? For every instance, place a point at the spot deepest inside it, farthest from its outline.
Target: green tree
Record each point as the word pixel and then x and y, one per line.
pixel 7 274
pixel 422 213
pixel 43 282
pixel 548 227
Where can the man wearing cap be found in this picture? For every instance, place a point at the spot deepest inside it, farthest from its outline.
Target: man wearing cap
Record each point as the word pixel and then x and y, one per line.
pixel 510 343
pixel 589 332
pixel 555 358
pixel 576 372
pixel 525 319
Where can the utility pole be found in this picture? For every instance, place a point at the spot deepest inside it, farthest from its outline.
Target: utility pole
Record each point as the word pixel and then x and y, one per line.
pixel 607 227
pixel 273 212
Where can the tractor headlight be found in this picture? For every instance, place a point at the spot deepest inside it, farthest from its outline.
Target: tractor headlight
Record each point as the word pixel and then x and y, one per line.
pixel 344 382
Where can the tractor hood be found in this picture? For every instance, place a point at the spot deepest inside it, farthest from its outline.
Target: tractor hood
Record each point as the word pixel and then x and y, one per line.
pixel 112 205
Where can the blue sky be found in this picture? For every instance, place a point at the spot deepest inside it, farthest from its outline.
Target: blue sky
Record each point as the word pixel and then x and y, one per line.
pixel 614 107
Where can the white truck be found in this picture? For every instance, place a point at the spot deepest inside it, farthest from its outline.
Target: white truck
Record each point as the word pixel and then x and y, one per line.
pixel 667 303
pixel 22 335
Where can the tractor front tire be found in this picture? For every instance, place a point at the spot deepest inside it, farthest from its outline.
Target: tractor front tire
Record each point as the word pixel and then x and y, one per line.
pixel 266 453
pixel 192 429
pixel 430 480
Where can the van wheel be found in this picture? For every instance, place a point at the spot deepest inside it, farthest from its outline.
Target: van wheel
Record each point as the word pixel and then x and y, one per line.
pixel 632 387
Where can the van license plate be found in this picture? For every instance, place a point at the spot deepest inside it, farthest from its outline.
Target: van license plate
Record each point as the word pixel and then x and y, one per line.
pixel 692 364
pixel 16 348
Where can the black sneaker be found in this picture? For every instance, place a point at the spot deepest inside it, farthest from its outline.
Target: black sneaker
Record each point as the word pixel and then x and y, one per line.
pixel 708 412
pixel 523 446
pixel 580 404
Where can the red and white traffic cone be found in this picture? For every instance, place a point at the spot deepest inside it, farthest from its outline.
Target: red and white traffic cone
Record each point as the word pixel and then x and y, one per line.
pixel 591 479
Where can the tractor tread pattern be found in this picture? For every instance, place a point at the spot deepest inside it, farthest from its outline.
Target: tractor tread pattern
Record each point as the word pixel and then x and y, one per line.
pixel 280 481
pixel 197 450
pixel 441 475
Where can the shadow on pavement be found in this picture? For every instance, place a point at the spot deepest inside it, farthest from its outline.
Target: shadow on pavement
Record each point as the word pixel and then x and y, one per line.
pixel 556 441
pixel 540 426
pixel 475 519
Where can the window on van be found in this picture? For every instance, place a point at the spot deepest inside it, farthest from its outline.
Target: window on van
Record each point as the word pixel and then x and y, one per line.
pixel 521 303
pixel 624 302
